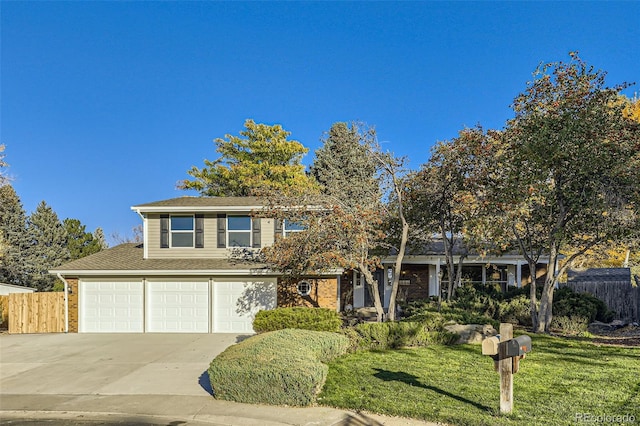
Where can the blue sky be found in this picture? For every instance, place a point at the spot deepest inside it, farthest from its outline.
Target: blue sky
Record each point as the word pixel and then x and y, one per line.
pixel 105 105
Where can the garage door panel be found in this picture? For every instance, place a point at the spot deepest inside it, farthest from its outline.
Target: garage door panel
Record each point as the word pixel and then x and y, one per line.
pixel 111 306
pixel 178 306
pixel 237 302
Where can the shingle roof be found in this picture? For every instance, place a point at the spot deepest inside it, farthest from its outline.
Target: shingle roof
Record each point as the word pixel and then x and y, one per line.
pixel 204 202
pixel 600 275
pixel 129 257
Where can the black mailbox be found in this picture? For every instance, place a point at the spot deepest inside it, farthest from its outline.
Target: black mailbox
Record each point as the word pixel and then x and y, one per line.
pixel 518 346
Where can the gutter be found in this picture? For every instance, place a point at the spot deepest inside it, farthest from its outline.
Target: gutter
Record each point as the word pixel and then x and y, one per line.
pixel 66 302
pixel 188 272
pixel 191 209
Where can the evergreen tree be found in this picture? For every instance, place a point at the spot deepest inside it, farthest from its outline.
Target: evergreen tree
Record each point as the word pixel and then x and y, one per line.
pixel 80 242
pixel 48 245
pixel 261 159
pixel 343 165
pixel 98 235
pixel 14 257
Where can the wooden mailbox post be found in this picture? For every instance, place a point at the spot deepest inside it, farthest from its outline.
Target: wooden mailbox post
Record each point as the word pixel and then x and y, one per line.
pixel 505 366
pixel 506 353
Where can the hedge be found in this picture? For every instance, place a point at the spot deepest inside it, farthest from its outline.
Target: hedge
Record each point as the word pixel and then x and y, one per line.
pixel 318 319
pixel 284 367
pixel 392 335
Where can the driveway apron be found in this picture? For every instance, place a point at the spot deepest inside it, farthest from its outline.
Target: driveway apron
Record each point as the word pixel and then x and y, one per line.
pixel 109 364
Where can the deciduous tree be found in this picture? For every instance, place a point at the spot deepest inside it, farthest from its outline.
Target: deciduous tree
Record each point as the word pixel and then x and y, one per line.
pixel 4 178
pixel 446 196
pixel 569 169
pixel 342 221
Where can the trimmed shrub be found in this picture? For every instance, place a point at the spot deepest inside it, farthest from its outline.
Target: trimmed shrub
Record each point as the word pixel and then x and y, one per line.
pixel 573 325
pixel 284 367
pixel 484 304
pixel 567 302
pixel 317 319
pixel 393 335
pixel 428 311
pixel 516 310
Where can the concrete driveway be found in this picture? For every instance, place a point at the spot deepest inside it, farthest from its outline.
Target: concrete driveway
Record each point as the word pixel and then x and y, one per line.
pixel 136 379
pixel 109 364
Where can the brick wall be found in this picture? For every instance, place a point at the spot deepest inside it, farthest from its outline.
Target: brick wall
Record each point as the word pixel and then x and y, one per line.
pixel 419 277
pixel 73 304
pixel 324 293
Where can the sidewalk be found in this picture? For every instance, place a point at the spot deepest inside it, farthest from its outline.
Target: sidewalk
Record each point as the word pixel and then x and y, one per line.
pixel 177 410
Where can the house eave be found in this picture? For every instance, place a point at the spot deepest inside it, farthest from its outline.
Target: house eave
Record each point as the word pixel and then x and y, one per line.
pixel 180 272
pixel 441 258
pixel 156 272
pixel 195 209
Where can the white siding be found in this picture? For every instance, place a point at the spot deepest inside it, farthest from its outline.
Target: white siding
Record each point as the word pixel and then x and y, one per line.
pixel 210 249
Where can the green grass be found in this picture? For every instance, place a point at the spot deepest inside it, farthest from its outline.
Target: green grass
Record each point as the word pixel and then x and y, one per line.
pixel 458 385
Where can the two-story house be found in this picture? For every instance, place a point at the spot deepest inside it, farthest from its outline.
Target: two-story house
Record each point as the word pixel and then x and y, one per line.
pixel 194 273
pixel 190 273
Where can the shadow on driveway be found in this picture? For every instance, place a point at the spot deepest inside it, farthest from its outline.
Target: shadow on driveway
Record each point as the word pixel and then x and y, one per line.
pixel 205 382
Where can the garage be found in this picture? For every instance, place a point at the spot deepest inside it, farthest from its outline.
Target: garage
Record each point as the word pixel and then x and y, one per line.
pixel 237 301
pixel 113 306
pixel 177 306
pixel 173 305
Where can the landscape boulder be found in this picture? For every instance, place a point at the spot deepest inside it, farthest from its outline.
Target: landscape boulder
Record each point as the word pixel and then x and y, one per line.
pixel 471 333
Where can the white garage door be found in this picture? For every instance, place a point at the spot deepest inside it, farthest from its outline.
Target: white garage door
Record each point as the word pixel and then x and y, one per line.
pixel 111 306
pixel 178 306
pixel 237 301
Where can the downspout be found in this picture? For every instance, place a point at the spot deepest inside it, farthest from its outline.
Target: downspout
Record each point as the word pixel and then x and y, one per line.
pixel 339 279
pixel 66 302
pixel 144 233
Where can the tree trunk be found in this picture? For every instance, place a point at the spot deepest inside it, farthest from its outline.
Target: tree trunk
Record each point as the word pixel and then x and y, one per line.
pixel 397 269
pixel 439 278
pixel 546 307
pixel 373 286
pixel 532 295
pixel 546 302
pixel 458 278
pixel 451 272
pixel 448 251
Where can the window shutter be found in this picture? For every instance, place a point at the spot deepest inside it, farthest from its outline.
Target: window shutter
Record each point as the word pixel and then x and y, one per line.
pixel 222 230
pixel 199 231
pixel 278 226
pixel 256 232
pixel 164 231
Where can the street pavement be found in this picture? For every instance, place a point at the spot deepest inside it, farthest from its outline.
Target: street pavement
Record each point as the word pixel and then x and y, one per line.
pixel 136 379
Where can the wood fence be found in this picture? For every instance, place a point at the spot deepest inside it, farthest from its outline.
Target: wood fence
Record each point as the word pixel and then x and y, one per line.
pixel 36 313
pixel 620 296
pixel 4 312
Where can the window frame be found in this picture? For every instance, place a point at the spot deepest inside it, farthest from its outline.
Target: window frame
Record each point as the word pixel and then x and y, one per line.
pixel 286 232
pixel 247 231
pixel 306 292
pixel 191 231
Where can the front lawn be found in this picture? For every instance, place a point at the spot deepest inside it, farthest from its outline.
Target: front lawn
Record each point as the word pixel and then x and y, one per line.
pixel 558 381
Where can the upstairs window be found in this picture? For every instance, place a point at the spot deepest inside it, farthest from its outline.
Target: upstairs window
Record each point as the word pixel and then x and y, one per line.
pixel 182 231
pixel 289 227
pixel 239 231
